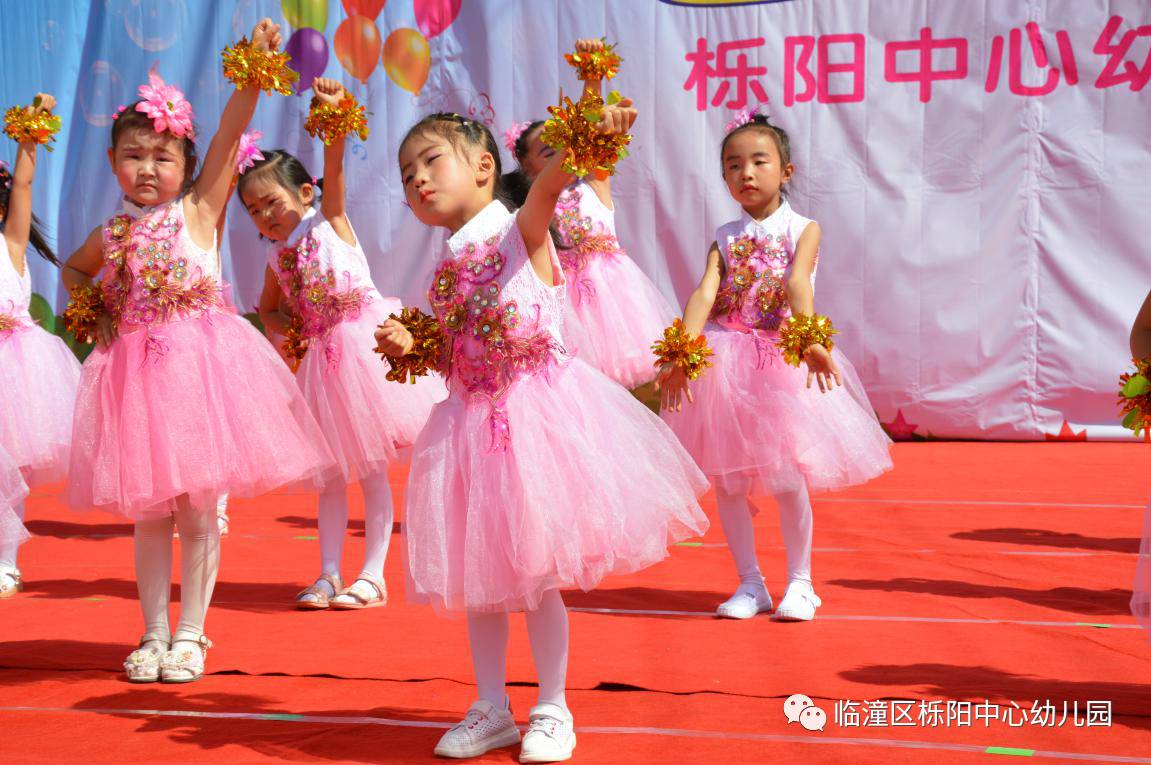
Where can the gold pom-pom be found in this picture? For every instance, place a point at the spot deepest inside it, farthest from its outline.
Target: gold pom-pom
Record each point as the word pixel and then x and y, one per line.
pixel 294 345
pixel 573 128
pixel 245 64
pixel 679 348
pixel 798 333
pixel 597 65
pixel 1135 398
pixel 328 122
pixel 23 126
pixel 427 348
pixel 85 307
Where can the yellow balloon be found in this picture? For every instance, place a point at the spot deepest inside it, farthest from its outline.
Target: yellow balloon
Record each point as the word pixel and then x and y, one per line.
pixel 407 59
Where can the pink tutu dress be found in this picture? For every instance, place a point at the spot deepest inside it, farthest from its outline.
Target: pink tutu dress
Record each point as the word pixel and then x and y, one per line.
pixel 13 490
pixel 38 377
pixel 755 423
pixel 189 398
pixel 1141 592
pixel 329 287
pixel 615 311
pixel 538 472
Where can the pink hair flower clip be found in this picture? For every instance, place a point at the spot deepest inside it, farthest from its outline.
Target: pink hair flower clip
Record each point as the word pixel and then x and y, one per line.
pixel 119 110
pixel 249 152
pixel 166 106
pixel 745 116
pixel 513 134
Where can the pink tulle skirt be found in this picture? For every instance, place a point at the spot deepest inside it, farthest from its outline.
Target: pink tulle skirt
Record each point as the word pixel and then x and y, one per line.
pixel 615 314
pixel 591 483
pixel 201 407
pixel 1141 592
pixel 38 379
pixel 13 490
pixel 364 417
pixel 756 425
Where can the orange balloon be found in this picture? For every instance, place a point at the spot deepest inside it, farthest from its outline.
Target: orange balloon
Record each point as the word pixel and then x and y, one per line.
pixel 357 44
pixel 407 59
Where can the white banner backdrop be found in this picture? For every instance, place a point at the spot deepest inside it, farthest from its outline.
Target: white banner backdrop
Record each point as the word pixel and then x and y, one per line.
pixel 979 168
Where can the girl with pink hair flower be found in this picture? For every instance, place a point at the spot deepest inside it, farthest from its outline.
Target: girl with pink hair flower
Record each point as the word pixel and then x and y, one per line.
pixel 182 401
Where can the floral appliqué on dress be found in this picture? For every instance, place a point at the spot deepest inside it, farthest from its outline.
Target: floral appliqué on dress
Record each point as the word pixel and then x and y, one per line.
pixel 583 239
pixel 490 344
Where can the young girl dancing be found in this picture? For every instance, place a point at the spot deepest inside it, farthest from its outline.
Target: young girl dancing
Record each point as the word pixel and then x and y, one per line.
pixel 183 400
pixel 38 372
pixel 614 308
pixel 756 423
pixel 316 265
pixel 538 472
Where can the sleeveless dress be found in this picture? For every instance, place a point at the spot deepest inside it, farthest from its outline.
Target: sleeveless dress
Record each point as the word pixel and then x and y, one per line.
pixel 38 377
pixel 189 398
pixel 615 311
pixel 755 423
pixel 364 418
pixel 537 472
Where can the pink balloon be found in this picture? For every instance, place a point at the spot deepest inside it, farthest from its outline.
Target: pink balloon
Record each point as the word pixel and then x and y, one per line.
pixel 434 16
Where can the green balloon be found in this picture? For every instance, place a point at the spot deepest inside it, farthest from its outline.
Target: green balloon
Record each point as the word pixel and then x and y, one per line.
pixel 306 13
pixel 42 312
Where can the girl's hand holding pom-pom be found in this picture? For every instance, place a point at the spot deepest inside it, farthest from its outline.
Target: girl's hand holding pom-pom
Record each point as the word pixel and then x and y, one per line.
pixel 821 367
pixel 105 331
pixel 393 339
pixel 618 118
pixel 327 91
pixel 43 102
pixel 672 384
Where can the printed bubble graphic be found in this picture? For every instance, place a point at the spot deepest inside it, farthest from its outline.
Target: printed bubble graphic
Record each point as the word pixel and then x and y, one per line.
pixel 101 91
pixel 795 705
pixel 813 718
pixel 155 25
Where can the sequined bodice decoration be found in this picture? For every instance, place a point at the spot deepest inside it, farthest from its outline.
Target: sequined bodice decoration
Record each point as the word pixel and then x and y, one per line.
pixel 319 297
pixel 585 236
pixel 753 294
pixel 152 278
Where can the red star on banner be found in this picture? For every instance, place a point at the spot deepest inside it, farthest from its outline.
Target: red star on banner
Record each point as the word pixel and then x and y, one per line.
pixel 899 429
pixel 1067 434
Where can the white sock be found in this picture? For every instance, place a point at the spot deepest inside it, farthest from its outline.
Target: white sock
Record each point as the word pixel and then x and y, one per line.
pixel 378 518
pixel 548 633
pixel 153 554
pixel 333 525
pixel 488 637
pixel 735 517
pixel 8 551
pixel 199 565
pixel 795 525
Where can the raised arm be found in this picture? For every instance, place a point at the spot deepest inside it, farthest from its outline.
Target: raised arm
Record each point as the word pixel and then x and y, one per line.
pixel 601 186
pixel 18 222
pixel 534 218
pixel 333 200
pixel 211 188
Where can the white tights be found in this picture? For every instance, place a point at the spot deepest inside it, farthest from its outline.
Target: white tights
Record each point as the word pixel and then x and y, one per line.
pixel 8 550
pixel 795 523
pixel 548 634
pixel 378 518
pixel 199 564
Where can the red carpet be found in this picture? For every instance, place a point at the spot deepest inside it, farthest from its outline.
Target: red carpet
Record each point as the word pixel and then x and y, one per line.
pixel 972 573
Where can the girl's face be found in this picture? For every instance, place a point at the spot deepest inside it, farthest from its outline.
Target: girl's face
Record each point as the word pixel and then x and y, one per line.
pixel 538 154
pixel 149 166
pixel 753 170
pixel 445 185
pixel 275 210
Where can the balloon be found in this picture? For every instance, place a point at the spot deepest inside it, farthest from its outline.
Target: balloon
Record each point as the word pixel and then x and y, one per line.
pixel 302 14
pixel 309 52
pixel 155 25
pixel 434 16
pixel 367 8
pixel 407 59
pixel 357 44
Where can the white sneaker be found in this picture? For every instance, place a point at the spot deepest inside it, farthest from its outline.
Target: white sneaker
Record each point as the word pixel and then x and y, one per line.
pixel 483 729
pixel 550 736
pixel 11 582
pixel 798 604
pixel 747 601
